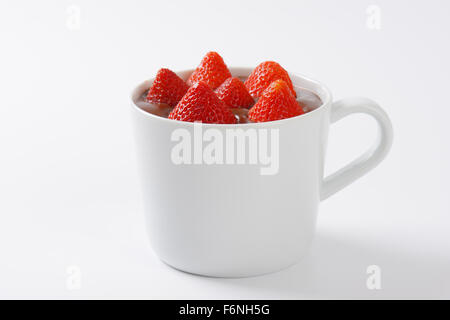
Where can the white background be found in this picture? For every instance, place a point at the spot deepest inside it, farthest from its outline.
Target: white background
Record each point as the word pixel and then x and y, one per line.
pixel 69 191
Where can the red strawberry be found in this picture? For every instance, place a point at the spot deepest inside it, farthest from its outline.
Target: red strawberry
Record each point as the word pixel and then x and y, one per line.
pixel 212 70
pixel 200 103
pixel 167 88
pixel 263 75
pixel 234 94
pixel 275 103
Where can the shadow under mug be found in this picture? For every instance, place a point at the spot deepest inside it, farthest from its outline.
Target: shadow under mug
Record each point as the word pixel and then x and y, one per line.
pixel 230 220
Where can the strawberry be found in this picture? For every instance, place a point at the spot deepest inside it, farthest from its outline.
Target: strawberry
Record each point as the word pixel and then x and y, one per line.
pixel 275 103
pixel 200 103
pixel 212 70
pixel 234 94
pixel 167 88
pixel 263 75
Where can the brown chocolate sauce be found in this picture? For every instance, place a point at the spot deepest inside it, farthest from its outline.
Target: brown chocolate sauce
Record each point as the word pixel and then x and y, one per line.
pixel 307 99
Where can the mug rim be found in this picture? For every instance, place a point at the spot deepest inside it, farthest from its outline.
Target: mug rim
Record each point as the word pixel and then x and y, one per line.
pixel 320 89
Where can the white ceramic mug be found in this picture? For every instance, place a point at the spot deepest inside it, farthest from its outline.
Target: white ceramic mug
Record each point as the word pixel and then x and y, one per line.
pixel 228 220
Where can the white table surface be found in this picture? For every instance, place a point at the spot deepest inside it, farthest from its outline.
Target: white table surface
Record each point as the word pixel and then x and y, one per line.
pixel 69 192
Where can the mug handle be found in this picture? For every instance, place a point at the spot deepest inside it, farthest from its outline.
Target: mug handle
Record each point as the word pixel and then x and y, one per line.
pixel 372 157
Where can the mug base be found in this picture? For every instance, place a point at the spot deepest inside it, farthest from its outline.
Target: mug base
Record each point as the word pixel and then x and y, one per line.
pixel 233 275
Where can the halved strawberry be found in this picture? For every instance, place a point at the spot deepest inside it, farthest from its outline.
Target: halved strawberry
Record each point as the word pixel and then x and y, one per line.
pixel 167 88
pixel 212 70
pixel 200 103
pixel 275 103
pixel 263 75
pixel 234 94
